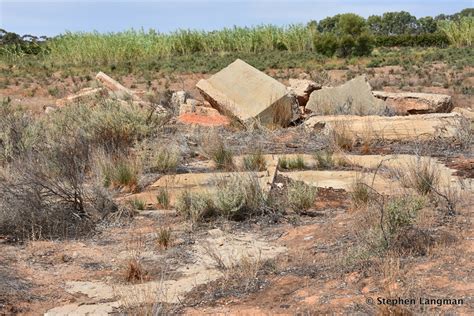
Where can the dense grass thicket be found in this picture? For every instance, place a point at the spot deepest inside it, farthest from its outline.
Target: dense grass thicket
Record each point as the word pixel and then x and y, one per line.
pixel 343 35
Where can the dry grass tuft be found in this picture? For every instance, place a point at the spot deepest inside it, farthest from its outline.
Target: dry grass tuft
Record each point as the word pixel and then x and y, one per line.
pixel 255 161
pixel 301 196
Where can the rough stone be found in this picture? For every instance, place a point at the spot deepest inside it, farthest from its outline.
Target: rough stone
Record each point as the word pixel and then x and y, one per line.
pixel 178 98
pixel 424 126
pixel 50 109
pixel 244 92
pixel 353 97
pixel 201 110
pixel 302 89
pixel 115 87
pixel 467 113
pixel 125 95
pixel 416 103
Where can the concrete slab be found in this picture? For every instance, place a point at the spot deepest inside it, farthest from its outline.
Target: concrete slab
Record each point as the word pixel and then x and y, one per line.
pixel 230 247
pixel 82 95
pixel 467 113
pixel 204 182
pixel 244 92
pixel 302 89
pixel 353 97
pixel 343 180
pixel 425 126
pixel 405 162
pixel 415 103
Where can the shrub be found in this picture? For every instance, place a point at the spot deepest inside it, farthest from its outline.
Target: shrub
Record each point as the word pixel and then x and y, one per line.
pixel 301 196
pixel 44 193
pixel 110 125
pixel 239 196
pixel 326 44
pixel 195 206
pixel 18 132
pixel 345 46
pixel 255 161
pixel 364 45
pixel 401 212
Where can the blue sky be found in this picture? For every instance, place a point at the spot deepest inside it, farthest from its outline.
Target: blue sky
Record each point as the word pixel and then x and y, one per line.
pixel 52 17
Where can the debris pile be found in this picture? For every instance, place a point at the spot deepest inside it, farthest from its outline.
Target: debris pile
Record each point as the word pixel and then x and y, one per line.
pixel 404 103
pixel 354 97
pixel 242 93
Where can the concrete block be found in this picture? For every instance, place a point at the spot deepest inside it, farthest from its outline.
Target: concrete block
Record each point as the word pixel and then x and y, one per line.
pixel 244 92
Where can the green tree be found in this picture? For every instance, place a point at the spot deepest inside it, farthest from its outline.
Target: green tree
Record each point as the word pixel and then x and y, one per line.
pixel 328 24
pixel 427 25
pixel 396 23
pixel 374 23
pixel 350 24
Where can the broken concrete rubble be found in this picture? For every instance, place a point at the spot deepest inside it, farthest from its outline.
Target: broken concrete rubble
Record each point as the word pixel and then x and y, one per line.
pixel 467 113
pixel 244 92
pixel 178 98
pixel 82 95
pixel 416 103
pixel 389 128
pixel 115 87
pixel 353 97
pixel 302 89
pixel 120 92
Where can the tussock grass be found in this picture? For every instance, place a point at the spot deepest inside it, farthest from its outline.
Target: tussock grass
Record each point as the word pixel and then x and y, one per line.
pixel 164 237
pixel 239 196
pixel 195 206
pixel 216 149
pixel 301 196
pixel 325 159
pixel 255 161
pixel 296 163
pixel 163 198
pixel 137 204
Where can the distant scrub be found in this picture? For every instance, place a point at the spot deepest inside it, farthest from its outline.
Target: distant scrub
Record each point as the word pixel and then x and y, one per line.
pixel 342 35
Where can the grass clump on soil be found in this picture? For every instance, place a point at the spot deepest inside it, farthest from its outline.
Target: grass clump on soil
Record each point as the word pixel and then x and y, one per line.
pixel 296 163
pixel 195 206
pixel 163 198
pixel 138 204
pixel 361 193
pixel 239 196
pixel 159 158
pixel 301 196
pixel 255 161
pixel 119 172
pixel 164 237
pixel 421 175
pixel 215 148
pixel 325 159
